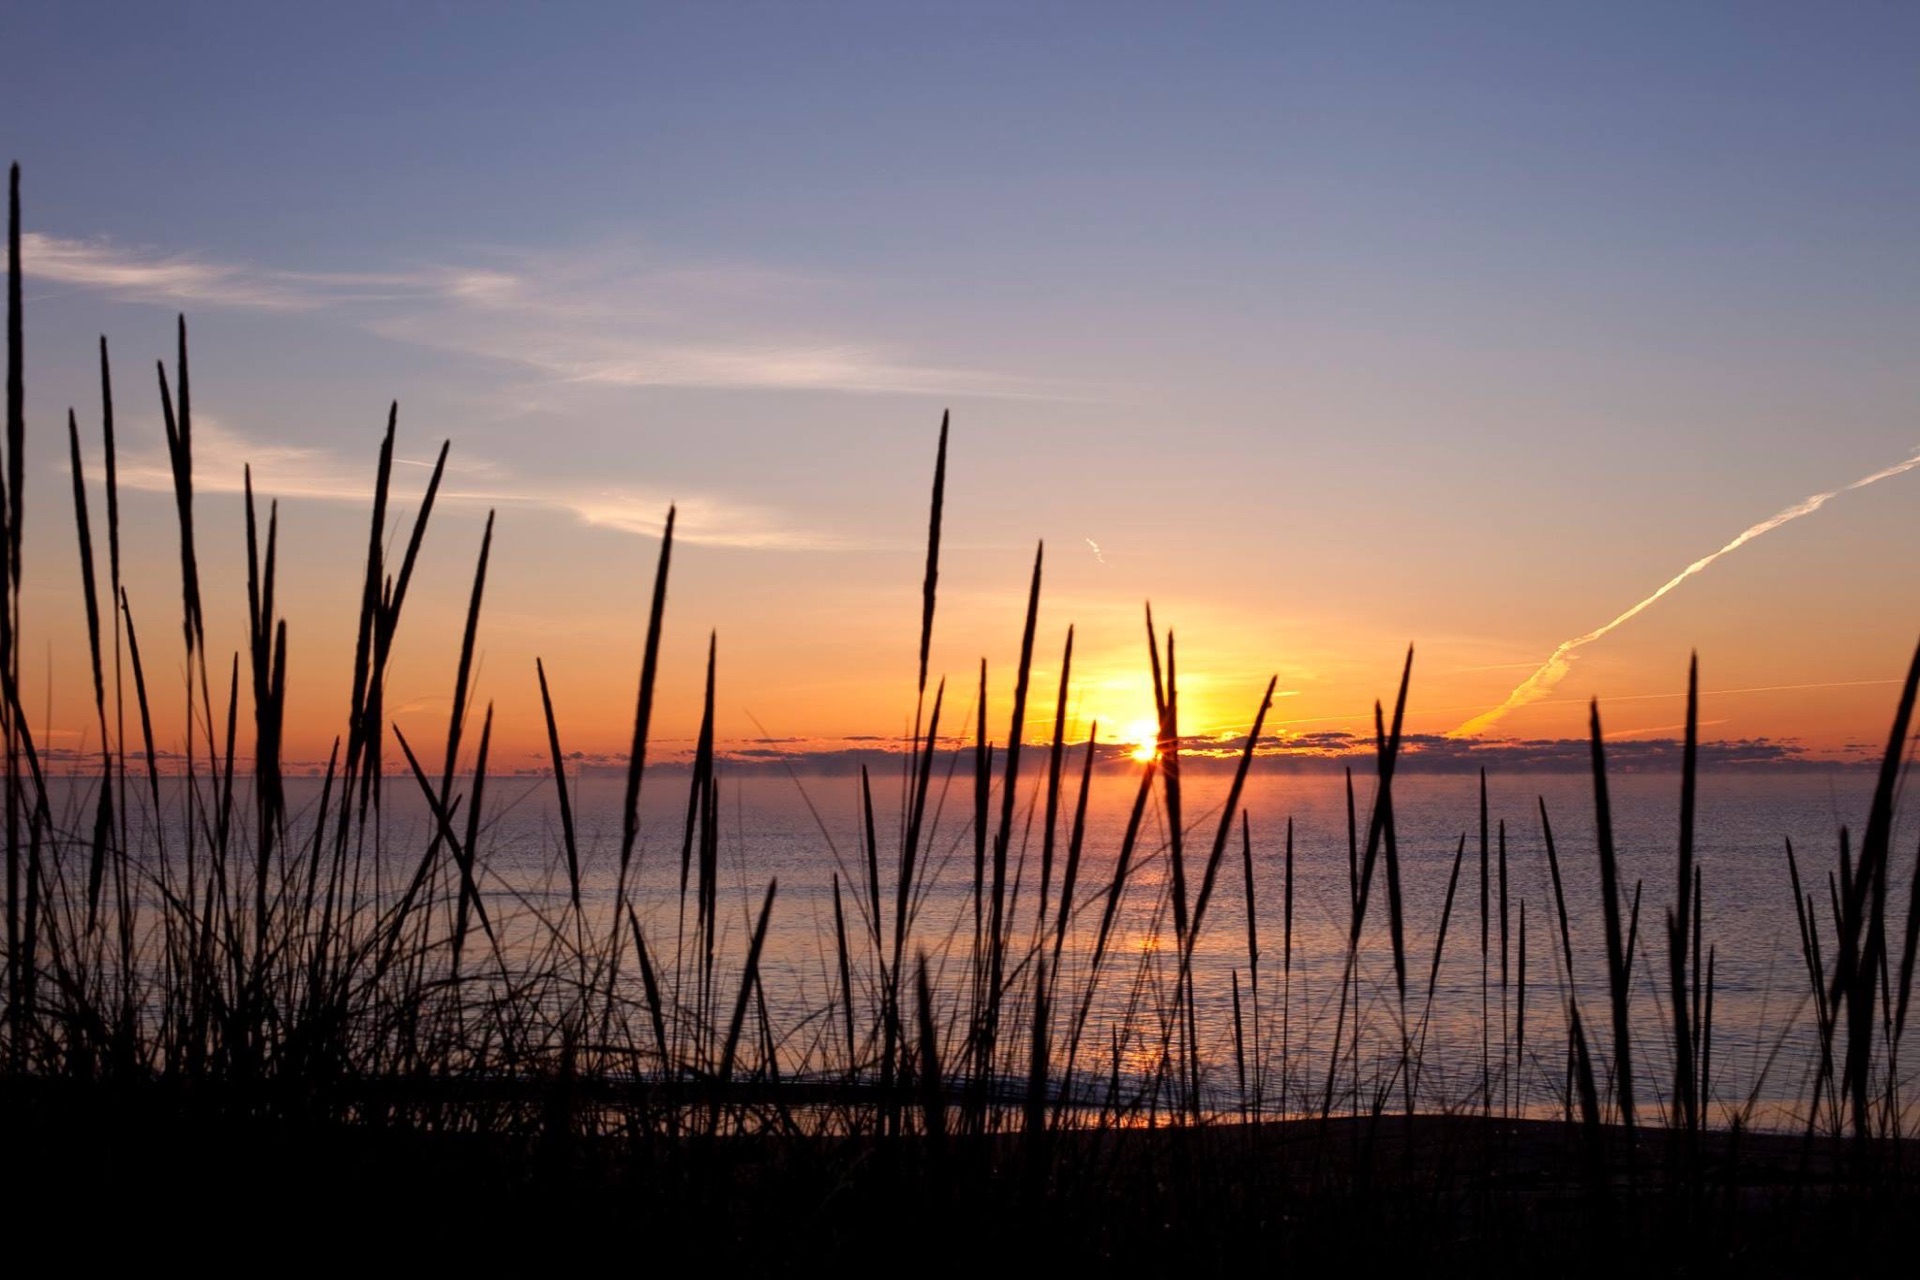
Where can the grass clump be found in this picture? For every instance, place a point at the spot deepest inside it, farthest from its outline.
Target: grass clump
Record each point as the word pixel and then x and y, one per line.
pixel 278 1006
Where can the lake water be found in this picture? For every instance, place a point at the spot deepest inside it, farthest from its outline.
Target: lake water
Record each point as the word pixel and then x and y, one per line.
pixel 806 831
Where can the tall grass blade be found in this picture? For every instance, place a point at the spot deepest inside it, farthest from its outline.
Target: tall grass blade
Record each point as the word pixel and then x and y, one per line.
pixel 1076 840
pixel 749 977
pixel 1680 919
pixel 933 1095
pixel 1486 1076
pixel 1009 794
pixel 932 580
pixel 1253 950
pixel 846 973
pixel 1227 815
pixel 569 841
pixel 637 754
pixel 1054 760
pixel 1433 972
pixel 1618 958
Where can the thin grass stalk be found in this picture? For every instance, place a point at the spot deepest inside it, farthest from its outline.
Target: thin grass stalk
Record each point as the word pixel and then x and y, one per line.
pixel 1286 971
pixel 1039 1057
pixel 998 922
pixel 1055 757
pixel 1075 840
pixel 650 985
pixel 1520 1013
pixel 1680 919
pixel 456 728
pixel 363 719
pixel 637 760
pixel 1227 814
pixel 1239 1046
pixel 1507 1066
pixel 871 845
pixel 1706 1040
pixel 1189 934
pixel 569 841
pixel 1253 953
pixel 223 826
pixel 443 815
pixel 1418 1059
pixel 1167 703
pixel 146 732
pixel 696 835
pixel 751 975
pixel 383 603
pixel 1699 917
pixel 179 433
pixel 1353 847
pixel 1589 1094
pixel 39 824
pixel 1858 957
pixel 894 1033
pixel 11 507
pixel 846 975
pixel 910 849
pixel 919 769
pixel 982 790
pixel 1167 752
pixel 1396 918
pixel 267 651
pixel 1566 947
pixel 317 951
pixel 179 438
pixel 1486 1076
pixel 933 1097
pixel 16 483
pixel 931 583
pixel 1559 894
pixel 470 895
pixel 703 770
pixel 1116 887
pixel 122 890
pixel 1633 926
pixel 1908 946
pixel 463 677
pixel 103 816
pixel 88 587
pixel 1361 881
pixel 1800 914
pixel 1829 1018
pixel 708 896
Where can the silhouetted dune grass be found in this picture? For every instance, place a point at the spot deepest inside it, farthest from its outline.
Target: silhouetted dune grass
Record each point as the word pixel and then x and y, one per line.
pixel 215 1006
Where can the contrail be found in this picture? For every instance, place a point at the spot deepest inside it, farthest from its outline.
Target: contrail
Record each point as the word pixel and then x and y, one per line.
pixel 1555 668
pixel 1096 551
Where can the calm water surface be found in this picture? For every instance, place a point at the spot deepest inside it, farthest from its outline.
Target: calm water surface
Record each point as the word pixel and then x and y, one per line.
pixel 1471 1039
pixel 804 832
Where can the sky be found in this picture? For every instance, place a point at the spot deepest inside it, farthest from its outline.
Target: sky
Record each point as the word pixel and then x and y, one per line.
pixel 1326 329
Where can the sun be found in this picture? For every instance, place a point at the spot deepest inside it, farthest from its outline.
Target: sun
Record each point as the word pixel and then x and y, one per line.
pixel 1145 735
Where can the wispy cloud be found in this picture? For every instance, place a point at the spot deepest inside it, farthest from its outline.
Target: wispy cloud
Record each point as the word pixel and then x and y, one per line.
pixel 140 274
pixel 700 518
pixel 1551 672
pixel 144 276
pixel 610 316
pixel 222 455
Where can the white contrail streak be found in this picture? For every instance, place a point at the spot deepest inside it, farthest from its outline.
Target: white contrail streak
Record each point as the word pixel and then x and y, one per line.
pixel 1555 668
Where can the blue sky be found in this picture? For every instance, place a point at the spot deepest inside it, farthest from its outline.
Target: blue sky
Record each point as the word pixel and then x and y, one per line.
pixel 1334 326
